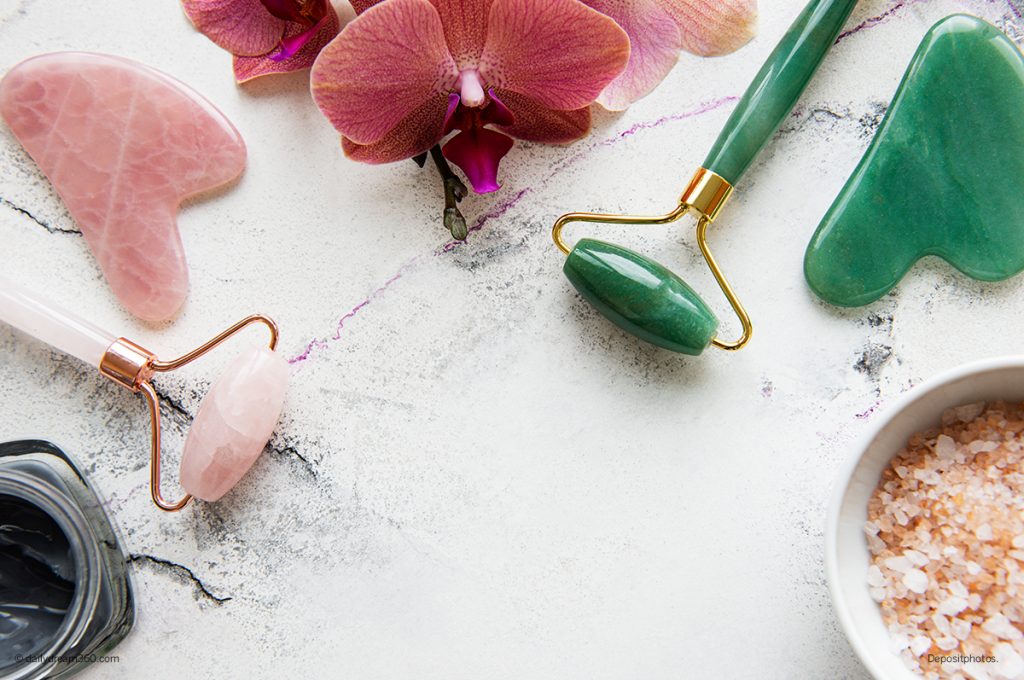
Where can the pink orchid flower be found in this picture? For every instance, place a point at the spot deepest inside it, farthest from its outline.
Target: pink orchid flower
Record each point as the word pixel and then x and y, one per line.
pixel 405 73
pixel 266 36
pixel 659 29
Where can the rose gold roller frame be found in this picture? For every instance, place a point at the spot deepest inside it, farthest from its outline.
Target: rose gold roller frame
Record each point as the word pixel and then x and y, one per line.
pixel 133 366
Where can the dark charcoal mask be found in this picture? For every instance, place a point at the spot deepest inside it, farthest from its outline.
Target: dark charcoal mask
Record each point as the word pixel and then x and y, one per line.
pixel 37 579
pixel 65 596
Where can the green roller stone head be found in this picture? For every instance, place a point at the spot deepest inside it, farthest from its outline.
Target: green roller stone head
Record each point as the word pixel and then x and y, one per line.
pixel 646 299
pixel 640 296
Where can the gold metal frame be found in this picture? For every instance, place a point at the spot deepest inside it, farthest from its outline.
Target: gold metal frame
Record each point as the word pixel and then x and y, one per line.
pixel 132 366
pixel 706 195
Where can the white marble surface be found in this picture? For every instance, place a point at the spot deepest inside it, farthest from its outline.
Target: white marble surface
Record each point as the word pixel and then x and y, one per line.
pixel 476 476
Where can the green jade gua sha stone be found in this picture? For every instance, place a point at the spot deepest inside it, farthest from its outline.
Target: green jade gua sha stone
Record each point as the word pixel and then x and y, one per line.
pixel 646 299
pixel 942 176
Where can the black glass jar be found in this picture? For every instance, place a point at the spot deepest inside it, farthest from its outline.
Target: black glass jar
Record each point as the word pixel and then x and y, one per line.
pixel 65 593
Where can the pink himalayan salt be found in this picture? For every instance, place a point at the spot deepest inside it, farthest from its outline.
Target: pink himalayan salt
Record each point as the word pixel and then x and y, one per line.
pixel 123 145
pixel 234 423
pixel 950 578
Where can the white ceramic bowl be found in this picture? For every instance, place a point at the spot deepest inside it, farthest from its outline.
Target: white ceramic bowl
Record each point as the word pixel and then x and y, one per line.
pixel 846 551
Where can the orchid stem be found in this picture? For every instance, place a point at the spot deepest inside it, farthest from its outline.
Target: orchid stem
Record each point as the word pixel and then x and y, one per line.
pixel 454 191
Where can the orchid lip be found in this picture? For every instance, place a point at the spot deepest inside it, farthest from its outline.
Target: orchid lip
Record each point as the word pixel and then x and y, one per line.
pixel 478 151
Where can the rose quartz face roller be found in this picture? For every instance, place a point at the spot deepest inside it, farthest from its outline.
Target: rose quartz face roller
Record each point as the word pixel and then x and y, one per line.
pixel 234 421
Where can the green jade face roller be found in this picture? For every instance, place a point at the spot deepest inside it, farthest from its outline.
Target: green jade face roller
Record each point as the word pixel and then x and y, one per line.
pixel 641 296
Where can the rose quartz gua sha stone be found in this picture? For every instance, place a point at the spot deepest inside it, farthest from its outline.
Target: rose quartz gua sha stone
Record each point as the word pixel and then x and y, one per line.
pixel 123 145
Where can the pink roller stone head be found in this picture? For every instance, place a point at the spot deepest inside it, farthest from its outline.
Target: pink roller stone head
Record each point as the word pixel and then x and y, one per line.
pixel 234 423
pixel 123 145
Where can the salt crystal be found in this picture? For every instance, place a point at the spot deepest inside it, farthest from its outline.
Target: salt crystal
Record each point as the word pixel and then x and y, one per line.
pixel 875 544
pixel 941 623
pixel 920 644
pixel 876 578
pixel 871 529
pixel 982 446
pixel 1000 626
pixel 976 671
pixel 957 588
pixel 945 447
pixel 916 580
pixel 973 568
pixel 918 559
pixel 878 594
pixel 984 532
pixel 968 412
pixel 910 661
pixel 952 606
pixel 961 629
pixel 1018 541
pixel 947 644
pixel 897 643
pixel 1009 663
pixel 900 564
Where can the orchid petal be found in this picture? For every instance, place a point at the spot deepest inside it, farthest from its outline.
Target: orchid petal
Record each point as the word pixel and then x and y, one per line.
pixel 560 53
pixel 247 68
pixel 713 27
pixel 655 40
pixel 382 67
pixel 465 28
pixel 361 6
pixel 243 27
pixel 415 134
pixel 478 151
pixel 537 123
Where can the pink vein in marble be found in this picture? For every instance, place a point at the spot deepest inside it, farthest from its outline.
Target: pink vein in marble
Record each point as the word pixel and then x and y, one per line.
pixel 234 423
pixel 123 145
